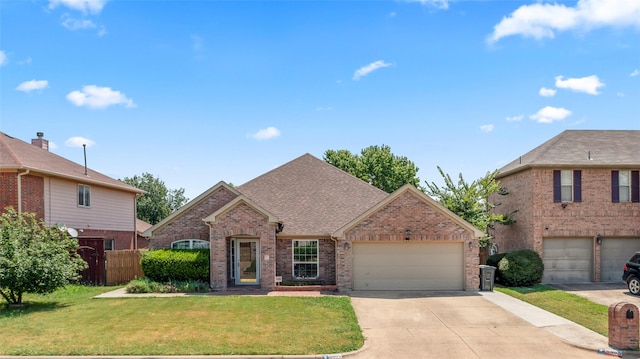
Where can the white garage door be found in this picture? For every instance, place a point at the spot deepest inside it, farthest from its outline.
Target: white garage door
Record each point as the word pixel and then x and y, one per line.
pixel 408 266
pixel 567 260
pixel 614 253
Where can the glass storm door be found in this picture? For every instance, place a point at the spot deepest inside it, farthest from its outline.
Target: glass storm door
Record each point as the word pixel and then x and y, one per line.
pixel 247 261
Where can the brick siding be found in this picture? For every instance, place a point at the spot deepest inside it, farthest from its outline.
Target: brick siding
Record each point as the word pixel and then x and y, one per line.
pixel 122 239
pixel 32 193
pixel 326 262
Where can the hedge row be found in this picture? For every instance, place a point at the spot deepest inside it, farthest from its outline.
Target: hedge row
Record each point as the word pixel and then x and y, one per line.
pixel 521 268
pixel 164 265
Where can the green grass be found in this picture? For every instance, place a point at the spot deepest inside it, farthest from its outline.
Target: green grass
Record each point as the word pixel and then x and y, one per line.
pixel 70 322
pixel 570 306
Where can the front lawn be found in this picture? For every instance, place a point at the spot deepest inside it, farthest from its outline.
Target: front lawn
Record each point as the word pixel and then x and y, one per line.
pixel 570 306
pixel 70 322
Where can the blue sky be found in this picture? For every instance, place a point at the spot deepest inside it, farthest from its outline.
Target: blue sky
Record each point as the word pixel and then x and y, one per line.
pixel 196 92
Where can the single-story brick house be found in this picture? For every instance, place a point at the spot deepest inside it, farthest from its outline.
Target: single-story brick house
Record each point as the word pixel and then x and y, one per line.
pixel 308 222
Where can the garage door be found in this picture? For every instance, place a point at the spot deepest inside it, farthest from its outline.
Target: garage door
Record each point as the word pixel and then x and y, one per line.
pixel 614 253
pixel 567 260
pixel 408 266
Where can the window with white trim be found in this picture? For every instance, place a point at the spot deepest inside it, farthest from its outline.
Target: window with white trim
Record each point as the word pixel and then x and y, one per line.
pixel 190 244
pixel 624 186
pixel 305 259
pixel 84 195
pixel 566 186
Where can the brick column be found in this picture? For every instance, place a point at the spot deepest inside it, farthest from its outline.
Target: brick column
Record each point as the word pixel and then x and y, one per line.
pixel 623 326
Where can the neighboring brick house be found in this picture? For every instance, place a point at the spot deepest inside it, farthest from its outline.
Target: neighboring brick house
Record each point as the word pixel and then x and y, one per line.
pixel 578 204
pixel 62 192
pixel 308 222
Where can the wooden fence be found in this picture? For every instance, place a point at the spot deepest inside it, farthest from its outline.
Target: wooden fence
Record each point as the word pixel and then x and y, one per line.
pixel 123 266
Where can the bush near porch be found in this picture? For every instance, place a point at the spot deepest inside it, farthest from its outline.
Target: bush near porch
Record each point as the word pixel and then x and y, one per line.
pixel 163 265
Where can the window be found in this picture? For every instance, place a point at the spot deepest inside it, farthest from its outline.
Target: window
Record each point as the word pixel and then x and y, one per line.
pixel 567 186
pixel 84 195
pixel 190 244
pixel 305 259
pixel 625 186
pixel 109 244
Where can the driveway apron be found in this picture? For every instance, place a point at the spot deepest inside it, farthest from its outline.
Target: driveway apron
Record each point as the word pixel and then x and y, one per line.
pixel 450 325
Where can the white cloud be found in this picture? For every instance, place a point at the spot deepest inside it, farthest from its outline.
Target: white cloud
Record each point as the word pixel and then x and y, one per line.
pixel 85 6
pixel 589 84
pixel 543 20
pixel 320 109
pixel 620 94
pixel 266 133
pixel 32 85
pixel 26 61
pixel 78 141
pixel 77 24
pixel 440 4
pixel 635 73
pixel 550 114
pixel 545 92
pixel 3 58
pixel 94 96
pixel 365 70
pixel 487 128
pixel 516 118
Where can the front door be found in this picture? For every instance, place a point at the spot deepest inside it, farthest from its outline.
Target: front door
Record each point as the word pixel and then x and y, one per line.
pixel 247 261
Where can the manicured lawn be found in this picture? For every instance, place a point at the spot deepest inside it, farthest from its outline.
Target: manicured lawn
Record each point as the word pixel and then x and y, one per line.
pixel 70 322
pixel 570 306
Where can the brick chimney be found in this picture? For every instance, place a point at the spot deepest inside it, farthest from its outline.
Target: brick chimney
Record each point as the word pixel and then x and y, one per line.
pixel 40 141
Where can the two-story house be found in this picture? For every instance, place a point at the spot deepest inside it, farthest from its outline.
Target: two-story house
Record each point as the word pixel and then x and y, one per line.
pixel 578 202
pixel 102 210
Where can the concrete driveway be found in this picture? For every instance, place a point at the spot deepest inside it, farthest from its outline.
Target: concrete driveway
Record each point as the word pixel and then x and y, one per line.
pixel 603 293
pixel 450 325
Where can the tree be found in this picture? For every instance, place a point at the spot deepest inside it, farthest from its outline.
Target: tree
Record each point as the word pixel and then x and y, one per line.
pixel 377 166
pixel 159 201
pixel 471 202
pixel 34 258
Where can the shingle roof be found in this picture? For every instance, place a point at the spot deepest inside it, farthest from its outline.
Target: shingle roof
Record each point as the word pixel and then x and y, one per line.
pixel 582 148
pixel 311 196
pixel 16 154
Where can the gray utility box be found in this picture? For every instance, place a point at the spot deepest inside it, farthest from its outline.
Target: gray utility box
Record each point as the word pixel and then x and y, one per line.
pixel 487 277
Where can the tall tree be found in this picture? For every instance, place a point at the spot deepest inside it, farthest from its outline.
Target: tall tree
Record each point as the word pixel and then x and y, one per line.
pixel 159 201
pixel 376 165
pixel 471 201
pixel 34 258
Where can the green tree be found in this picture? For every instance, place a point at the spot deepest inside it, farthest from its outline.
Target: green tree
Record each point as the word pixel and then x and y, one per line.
pixel 159 201
pixel 34 258
pixel 471 201
pixel 376 165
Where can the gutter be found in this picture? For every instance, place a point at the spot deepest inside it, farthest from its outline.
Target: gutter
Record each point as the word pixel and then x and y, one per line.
pixel 20 190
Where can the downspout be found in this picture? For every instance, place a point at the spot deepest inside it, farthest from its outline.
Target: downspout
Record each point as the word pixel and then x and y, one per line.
pixel 135 222
pixel 20 190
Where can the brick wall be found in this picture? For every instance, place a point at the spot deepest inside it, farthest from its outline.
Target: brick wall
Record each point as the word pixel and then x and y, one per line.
pixel 122 239
pixel 326 262
pixel 32 193
pixel 389 223
pixel 8 190
pixel 190 224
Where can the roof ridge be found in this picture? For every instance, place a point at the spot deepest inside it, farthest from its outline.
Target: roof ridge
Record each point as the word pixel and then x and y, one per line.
pixel 546 146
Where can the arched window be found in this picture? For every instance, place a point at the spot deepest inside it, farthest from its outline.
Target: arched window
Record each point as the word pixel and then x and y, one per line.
pixel 189 244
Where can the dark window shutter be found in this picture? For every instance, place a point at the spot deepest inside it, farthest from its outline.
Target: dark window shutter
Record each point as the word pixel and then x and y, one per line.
pixel 635 186
pixel 557 189
pixel 615 188
pixel 577 186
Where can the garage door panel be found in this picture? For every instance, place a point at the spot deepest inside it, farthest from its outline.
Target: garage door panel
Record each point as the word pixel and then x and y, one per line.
pixel 614 253
pixel 408 266
pixel 567 260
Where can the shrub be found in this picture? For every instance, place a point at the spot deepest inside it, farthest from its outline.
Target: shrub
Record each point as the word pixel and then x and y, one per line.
pixel 521 268
pixel 146 285
pixel 493 261
pixel 164 265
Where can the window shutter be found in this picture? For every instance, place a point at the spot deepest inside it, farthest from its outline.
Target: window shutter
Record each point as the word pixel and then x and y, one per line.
pixel 635 186
pixel 557 189
pixel 577 186
pixel 615 188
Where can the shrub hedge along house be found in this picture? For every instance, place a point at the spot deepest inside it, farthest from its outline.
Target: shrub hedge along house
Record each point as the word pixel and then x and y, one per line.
pixel 310 223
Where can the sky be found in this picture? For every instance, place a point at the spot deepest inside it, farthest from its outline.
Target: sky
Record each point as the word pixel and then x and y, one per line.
pixel 197 92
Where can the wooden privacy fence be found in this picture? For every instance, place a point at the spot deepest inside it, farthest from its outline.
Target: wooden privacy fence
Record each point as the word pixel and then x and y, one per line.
pixel 123 266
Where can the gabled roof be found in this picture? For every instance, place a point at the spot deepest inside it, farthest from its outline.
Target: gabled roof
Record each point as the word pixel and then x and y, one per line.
pixel 237 201
pixel 311 196
pixel 475 232
pixel 141 226
pixel 582 148
pixel 19 155
pixel 204 195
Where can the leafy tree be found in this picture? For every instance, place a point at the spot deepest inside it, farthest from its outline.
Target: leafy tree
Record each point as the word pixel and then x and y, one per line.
pixel 471 202
pixel 159 201
pixel 34 258
pixel 376 165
